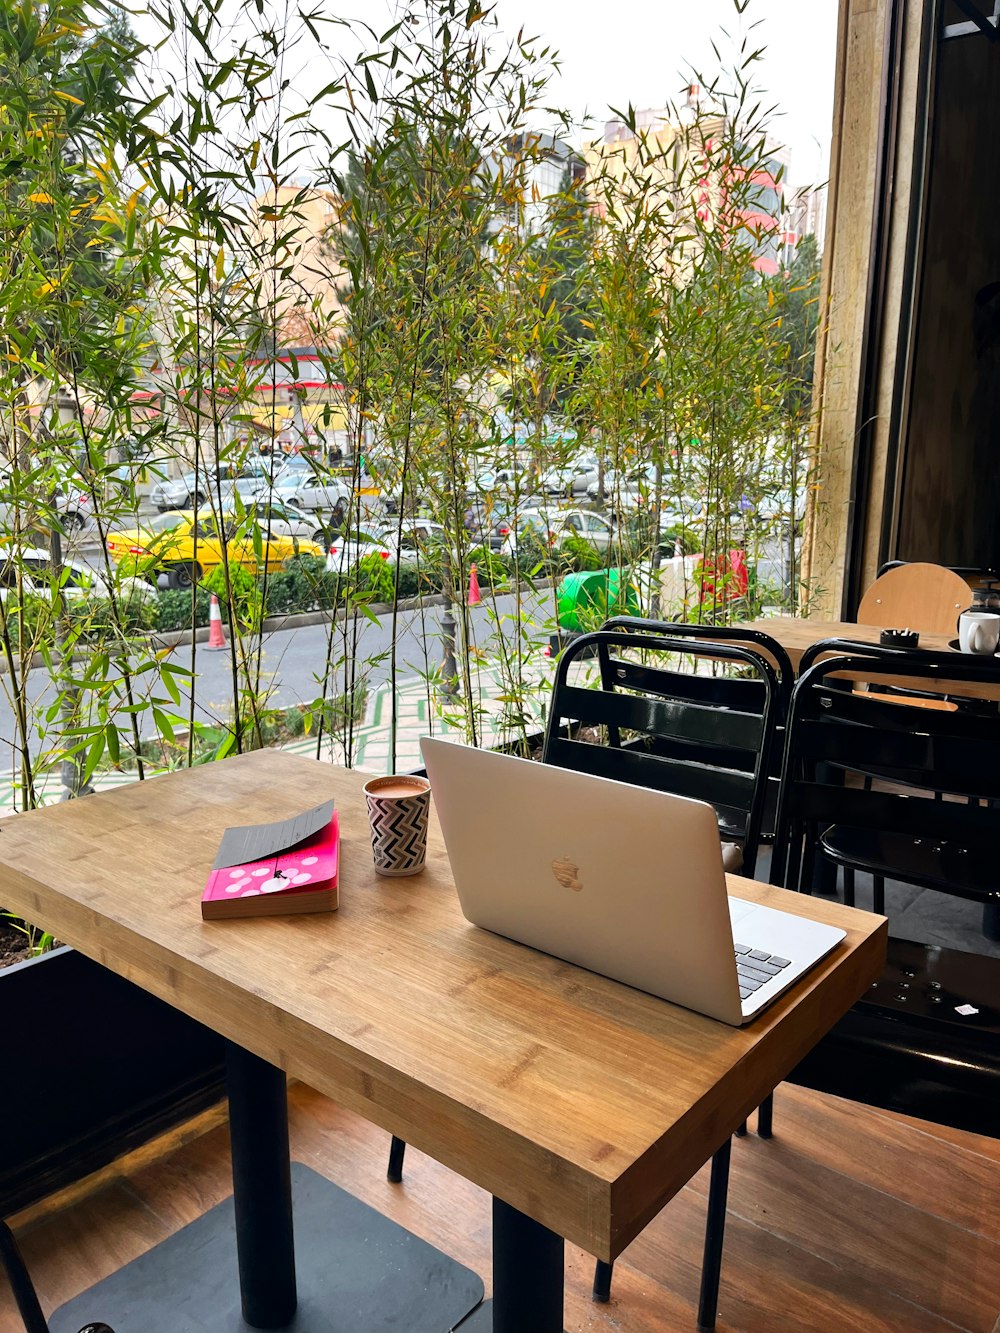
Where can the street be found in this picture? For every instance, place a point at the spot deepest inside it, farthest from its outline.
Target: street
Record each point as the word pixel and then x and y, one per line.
pixel 293 661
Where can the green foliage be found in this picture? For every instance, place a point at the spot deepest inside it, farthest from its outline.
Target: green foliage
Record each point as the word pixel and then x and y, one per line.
pixel 244 596
pixel 372 580
pixel 174 606
pixel 303 585
pixel 146 297
pixel 492 569
pixel 576 553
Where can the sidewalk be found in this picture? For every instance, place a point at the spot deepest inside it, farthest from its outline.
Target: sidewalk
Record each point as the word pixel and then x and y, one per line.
pixel 418 713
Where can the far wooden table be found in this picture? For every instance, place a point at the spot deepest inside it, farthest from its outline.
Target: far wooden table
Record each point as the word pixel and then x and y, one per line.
pixel 796 635
pixel 580 1104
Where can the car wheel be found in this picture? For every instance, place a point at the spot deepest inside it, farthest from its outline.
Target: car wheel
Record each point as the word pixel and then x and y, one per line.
pixel 185 576
pixel 320 537
pixel 195 501
pixel 74 521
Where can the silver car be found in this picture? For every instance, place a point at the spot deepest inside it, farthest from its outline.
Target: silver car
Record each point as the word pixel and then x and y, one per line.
pixel 307 490
pixel 210 487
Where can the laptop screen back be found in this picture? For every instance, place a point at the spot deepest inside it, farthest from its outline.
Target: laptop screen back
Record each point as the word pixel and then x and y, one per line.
pixel 622 880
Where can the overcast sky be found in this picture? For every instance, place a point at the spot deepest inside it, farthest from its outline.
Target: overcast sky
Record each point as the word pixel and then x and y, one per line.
pixel 617 52
pixel 639 51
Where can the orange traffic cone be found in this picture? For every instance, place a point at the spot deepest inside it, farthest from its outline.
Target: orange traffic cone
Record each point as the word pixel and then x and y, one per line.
pixel 216 638
pixel 475 596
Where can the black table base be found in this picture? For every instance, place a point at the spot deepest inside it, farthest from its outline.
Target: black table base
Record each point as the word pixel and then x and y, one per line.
pixel 357 1272
pixel 482 1321
pixel 528 1263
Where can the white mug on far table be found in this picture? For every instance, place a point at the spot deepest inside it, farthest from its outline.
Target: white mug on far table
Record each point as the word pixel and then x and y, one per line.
pixel 979 632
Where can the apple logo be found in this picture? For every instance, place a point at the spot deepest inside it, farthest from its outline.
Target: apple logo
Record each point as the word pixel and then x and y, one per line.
pixel 566 872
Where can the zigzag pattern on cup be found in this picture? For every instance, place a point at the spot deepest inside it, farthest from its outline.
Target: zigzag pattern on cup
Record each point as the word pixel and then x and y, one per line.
pixel 399 833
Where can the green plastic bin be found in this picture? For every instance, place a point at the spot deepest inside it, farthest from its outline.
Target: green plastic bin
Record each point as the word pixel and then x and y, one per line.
pixel 584 601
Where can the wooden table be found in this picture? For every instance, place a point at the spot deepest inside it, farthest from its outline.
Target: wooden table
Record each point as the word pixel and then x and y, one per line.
pixel 796 635
pixel 580 1104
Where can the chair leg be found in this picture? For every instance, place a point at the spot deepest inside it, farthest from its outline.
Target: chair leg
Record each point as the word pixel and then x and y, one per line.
pixel 878 894
pixel 715 1230
pixel 741 1130
pixel 602 1281
pixel 764 1114
pixel 848 886
pixel 21 1285
pixel 397 1148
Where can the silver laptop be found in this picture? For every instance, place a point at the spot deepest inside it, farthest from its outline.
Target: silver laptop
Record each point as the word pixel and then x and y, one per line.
pixel 622 880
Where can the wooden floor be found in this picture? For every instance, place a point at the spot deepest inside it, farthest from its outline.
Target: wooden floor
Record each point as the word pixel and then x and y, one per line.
pixel 849 1219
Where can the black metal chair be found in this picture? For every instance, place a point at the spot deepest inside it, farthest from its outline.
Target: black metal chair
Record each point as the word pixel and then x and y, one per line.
pixel 25 1297
pixel 661 725
pixel 925 1040
pixel 755 641
pixel 897 857
pixel 710 737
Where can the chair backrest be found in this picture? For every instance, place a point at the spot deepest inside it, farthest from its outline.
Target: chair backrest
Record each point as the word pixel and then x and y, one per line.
pixel 752 639
pixel 929 598
pixel 918 753
pixel 663 725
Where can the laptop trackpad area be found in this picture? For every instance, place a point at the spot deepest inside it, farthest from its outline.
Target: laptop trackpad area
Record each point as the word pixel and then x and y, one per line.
pixel 804 942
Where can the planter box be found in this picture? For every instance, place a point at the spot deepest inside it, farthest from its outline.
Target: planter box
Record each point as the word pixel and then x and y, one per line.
pixel 93 1067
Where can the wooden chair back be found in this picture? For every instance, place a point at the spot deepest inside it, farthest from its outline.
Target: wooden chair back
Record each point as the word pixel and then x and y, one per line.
pixel 924 597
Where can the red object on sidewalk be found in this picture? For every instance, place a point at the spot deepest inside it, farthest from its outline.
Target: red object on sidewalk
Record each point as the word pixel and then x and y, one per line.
pixel 730 570
pixel 216 638
pixel 475 596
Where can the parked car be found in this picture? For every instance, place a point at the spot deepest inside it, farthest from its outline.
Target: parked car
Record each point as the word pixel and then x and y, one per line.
pixel 317 492
pixel 78 581
pixel 184 546
pixel 346 550
pixel 594 528
pixel 532 521
pixel 573 478
pixel 282 519
pixel 216 487
pixel 625 490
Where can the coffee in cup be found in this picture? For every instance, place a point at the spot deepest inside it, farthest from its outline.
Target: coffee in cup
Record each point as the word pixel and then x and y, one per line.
pixel 398 810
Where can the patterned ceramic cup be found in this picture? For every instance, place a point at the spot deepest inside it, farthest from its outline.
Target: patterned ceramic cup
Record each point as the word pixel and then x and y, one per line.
pixel 397 811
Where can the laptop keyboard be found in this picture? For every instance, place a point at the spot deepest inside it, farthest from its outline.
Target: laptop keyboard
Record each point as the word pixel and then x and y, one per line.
pixel 754 967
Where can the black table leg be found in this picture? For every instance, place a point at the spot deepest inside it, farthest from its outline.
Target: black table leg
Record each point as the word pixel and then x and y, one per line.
pixel 527 1274
pixel 262 1188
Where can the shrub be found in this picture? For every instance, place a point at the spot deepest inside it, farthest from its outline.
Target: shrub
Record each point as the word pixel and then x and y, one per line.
pixel 578 555
pixel 303 585
pixel 533 559
pixel 492 569
pixel 246 593
pixel 29 621
pixel 96 618
pixel 173 609
pixel 373 580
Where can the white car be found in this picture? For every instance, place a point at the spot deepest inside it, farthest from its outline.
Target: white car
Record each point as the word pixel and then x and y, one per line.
pixel 346 550
pixel 625 489
pixel 79 581
pixel 574 478
pixel 594 528
pixel 536 523
pixel 314 491
pixel 281 519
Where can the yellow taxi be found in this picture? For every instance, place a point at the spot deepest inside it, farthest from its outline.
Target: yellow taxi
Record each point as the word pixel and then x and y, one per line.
pixel 183 546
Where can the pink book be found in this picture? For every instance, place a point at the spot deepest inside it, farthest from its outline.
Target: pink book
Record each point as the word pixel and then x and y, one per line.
pixel 300 879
